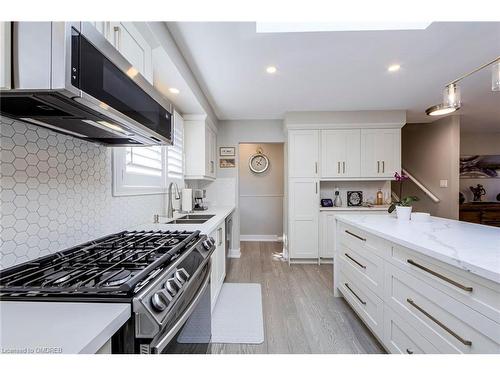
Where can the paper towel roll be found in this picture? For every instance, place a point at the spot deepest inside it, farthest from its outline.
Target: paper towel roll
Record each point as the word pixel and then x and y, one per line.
pixel 187 200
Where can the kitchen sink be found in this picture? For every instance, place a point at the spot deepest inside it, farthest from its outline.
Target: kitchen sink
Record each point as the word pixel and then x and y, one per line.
pixel 196 217
pixel 191 219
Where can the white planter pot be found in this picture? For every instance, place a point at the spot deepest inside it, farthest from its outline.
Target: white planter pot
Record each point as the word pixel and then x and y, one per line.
pixel 403 213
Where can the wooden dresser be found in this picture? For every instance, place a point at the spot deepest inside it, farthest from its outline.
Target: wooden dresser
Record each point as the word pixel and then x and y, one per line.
pixel 487 213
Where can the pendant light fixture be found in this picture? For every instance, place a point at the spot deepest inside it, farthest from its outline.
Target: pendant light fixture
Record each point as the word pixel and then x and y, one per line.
pixel 451 94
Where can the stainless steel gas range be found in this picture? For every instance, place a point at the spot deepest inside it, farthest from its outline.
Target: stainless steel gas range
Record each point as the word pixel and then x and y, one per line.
pixel 164 275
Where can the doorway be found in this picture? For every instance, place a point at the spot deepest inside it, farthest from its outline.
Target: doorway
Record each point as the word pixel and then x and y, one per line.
pixel 261 191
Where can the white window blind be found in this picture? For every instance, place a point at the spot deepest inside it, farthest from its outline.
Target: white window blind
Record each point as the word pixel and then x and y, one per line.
pixel 144 160
pixel 175 160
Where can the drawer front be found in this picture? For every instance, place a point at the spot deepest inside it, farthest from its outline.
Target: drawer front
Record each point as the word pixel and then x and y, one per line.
pixel 368 267
pixel 369 307
pixel 355 238
pixel 448 324
pixel 401 338
pixel 479 294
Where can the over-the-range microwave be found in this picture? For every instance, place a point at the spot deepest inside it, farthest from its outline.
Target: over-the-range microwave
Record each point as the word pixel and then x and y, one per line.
pixel 67 77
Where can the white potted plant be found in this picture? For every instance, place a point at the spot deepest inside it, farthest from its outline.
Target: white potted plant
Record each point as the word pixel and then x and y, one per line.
pixel 404 206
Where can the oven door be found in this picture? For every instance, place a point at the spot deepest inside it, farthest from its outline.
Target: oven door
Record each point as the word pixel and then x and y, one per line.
pixel 191 332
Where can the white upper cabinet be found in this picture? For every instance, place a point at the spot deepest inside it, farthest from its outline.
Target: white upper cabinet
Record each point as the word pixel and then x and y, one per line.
pixel 200 142
pixel 303 153
pixel 5 55
pixel 125 37
pixel 380 152
pixel 340 153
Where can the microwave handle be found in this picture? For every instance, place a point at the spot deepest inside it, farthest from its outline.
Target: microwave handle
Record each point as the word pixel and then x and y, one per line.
pixel 158 347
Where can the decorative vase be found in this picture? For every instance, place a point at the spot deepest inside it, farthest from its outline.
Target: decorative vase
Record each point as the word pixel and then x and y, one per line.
pixel 403 212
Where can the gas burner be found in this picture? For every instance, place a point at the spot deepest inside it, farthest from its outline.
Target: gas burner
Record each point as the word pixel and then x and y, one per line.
pixel 170 241
pixel 117 279
pixel 58 278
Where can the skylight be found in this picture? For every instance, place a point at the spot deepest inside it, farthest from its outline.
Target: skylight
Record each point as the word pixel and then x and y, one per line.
pixel 302 27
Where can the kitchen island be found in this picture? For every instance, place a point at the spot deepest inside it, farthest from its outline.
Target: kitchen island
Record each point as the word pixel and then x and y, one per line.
pixel 421 287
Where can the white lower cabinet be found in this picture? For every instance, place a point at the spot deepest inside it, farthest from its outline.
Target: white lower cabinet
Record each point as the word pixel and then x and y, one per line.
pixel 218 259
pixel 303 218
pixel 414 303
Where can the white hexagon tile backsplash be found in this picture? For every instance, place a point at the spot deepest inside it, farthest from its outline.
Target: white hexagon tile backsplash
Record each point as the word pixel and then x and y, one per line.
pixel 55 192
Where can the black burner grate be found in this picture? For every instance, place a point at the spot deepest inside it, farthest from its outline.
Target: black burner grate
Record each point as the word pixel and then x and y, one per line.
pixel 111 265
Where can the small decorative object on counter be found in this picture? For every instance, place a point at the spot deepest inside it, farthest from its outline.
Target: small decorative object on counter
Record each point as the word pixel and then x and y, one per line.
pixel 354 198
pixel 380 197
pixel 326 202
pixel 403 206
pixel 337 201
pixel 478 192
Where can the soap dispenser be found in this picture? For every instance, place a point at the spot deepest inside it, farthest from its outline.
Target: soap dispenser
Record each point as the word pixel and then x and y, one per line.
pixel 380 197
pixel 337 201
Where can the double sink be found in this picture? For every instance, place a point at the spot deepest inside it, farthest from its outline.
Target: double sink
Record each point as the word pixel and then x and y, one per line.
pixel 191 219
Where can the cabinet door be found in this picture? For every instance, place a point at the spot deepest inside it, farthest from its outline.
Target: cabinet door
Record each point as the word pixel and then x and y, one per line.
pixel 340 153
pixel 210 151
pixel 380 152
pixel 5 55
pixel 221 255
pixel 132 45
pixel 304 217
pixel 303 153
pixel 327 235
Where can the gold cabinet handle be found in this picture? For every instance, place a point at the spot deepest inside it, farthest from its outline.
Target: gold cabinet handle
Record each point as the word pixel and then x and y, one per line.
pixel 316 167
pixel 378 167
pixel 343 167
pixel 455 335
pixel 383 166
pixel 338 167
pixel 434 273
pixel 354 294
pixel 355 235
pixel 355 261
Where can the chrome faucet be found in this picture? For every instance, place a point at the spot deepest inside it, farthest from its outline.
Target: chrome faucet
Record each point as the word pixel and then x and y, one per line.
pixel 170 210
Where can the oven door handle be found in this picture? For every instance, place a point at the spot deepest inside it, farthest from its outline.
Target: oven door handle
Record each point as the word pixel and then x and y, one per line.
pixel 158 347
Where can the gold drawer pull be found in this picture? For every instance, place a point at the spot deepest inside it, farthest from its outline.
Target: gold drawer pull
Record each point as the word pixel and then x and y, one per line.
pixel 465 342
pixel 355 261
pixel 355 295
pixel 355 235
pixel 434 273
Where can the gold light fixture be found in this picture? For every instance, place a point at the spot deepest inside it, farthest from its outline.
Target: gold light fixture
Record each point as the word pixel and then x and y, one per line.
pixel 451 94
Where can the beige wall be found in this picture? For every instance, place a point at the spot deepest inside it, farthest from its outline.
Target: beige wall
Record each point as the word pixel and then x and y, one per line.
pixel 431 152
pixel 261 195
pixel 480 144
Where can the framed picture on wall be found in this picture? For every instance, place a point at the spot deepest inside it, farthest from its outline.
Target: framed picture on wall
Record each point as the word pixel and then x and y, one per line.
pixel 227 163
pixel 227 151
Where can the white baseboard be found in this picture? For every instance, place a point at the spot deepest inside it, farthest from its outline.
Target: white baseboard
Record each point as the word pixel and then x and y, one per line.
pixel 260 237
pixel 234 253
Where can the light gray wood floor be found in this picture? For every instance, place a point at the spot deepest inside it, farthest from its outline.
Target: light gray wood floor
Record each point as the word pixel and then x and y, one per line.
pixel 300 313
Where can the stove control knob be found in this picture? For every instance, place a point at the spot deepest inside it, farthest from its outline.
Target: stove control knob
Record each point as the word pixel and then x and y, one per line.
pixel 212 240
pixel 172 286
pixel 158 302
pixel 207 244
pixel 181 275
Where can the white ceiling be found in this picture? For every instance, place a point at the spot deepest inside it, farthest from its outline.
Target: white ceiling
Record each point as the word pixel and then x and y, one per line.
pixel 328 71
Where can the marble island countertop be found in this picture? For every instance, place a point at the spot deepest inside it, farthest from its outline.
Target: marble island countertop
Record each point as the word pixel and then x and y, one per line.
pixel 471 247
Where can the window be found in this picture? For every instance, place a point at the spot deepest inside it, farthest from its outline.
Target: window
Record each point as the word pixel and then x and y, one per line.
pixel 148 170
pixel 175 163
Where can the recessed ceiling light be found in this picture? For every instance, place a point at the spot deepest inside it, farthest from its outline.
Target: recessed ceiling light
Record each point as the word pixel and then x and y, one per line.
pixel 271 69
pixel 394 68
pixel 173 90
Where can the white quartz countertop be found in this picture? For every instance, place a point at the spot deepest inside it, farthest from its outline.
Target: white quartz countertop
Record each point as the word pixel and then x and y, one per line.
pixel 63 327
pixel 220 212
pixel 471 247
pixel 345 208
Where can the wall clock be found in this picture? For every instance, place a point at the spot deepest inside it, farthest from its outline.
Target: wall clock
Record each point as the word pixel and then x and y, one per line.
pixel 258 162
pixel 354 198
